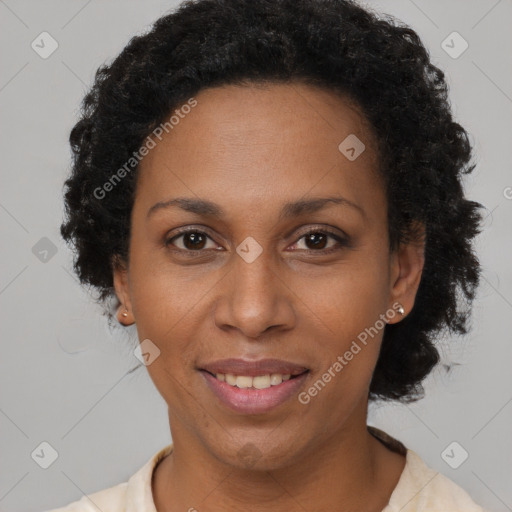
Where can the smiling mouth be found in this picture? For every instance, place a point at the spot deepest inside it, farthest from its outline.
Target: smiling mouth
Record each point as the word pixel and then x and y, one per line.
pixel 255 394
pixel 258 382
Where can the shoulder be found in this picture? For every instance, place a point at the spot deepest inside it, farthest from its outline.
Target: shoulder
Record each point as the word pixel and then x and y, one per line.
pixel 422 489
pixel 130 496
pixel 112 499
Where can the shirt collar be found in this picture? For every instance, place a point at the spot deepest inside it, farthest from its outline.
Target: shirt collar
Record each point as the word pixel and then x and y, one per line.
pixel 139 494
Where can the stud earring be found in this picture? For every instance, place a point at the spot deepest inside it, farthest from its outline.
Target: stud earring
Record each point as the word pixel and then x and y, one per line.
pixel 401 310
pixel 125 314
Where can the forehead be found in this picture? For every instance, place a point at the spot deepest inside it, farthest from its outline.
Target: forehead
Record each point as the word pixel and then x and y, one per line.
pixel 260 141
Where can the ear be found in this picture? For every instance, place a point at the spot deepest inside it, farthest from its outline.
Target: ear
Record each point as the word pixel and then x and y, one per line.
pixel 121 286
pixel 406 266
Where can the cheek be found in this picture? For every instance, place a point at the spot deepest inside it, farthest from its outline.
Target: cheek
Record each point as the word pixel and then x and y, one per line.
pixel 164 313
pixel 348 337
pixel 165 297
pixel 345 310
pixel 348 298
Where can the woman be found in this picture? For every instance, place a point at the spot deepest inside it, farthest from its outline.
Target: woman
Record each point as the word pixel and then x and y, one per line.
pixel 271 190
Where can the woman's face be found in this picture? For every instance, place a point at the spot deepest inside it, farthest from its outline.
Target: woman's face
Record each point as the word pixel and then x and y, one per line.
pixel 249 284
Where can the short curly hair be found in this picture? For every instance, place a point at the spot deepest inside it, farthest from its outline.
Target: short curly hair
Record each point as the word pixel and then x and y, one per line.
pixel 373 59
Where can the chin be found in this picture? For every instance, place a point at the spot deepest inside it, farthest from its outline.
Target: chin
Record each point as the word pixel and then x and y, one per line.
pixel 261 452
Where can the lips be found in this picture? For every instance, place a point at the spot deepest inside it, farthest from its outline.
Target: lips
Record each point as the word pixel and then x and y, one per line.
pixel 253 368
pixel 236 383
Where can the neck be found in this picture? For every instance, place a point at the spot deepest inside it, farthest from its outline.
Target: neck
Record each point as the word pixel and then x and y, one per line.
pixel 349 471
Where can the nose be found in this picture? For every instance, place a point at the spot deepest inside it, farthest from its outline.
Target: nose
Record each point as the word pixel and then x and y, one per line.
pixel 254 298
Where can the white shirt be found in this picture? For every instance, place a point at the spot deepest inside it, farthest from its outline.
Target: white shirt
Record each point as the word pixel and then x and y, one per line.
pixel 419 489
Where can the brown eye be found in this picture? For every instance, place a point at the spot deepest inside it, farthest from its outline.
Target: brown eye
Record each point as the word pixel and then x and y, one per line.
pixel 317 241
pixel 191 240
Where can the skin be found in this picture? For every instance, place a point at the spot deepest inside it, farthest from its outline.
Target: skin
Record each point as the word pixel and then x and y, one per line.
pixel 251 149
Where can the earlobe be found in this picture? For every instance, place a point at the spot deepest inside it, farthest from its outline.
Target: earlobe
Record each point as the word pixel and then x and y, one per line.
pixel 120 278
pixel 407 270
pixel 124 316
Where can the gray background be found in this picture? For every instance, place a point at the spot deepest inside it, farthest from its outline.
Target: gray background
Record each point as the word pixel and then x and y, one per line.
pixel 64 376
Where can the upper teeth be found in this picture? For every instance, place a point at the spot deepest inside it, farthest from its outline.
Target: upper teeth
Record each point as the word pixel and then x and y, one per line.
pixel 259 382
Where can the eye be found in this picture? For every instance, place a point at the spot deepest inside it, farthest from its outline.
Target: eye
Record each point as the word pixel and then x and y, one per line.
pixel 192 240
pixel 317 241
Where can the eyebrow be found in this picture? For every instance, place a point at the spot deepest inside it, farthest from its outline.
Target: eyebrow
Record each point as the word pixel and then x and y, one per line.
pixel 291 209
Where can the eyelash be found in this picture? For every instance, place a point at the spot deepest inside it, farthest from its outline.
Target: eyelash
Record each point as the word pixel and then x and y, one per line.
pixel 343 242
